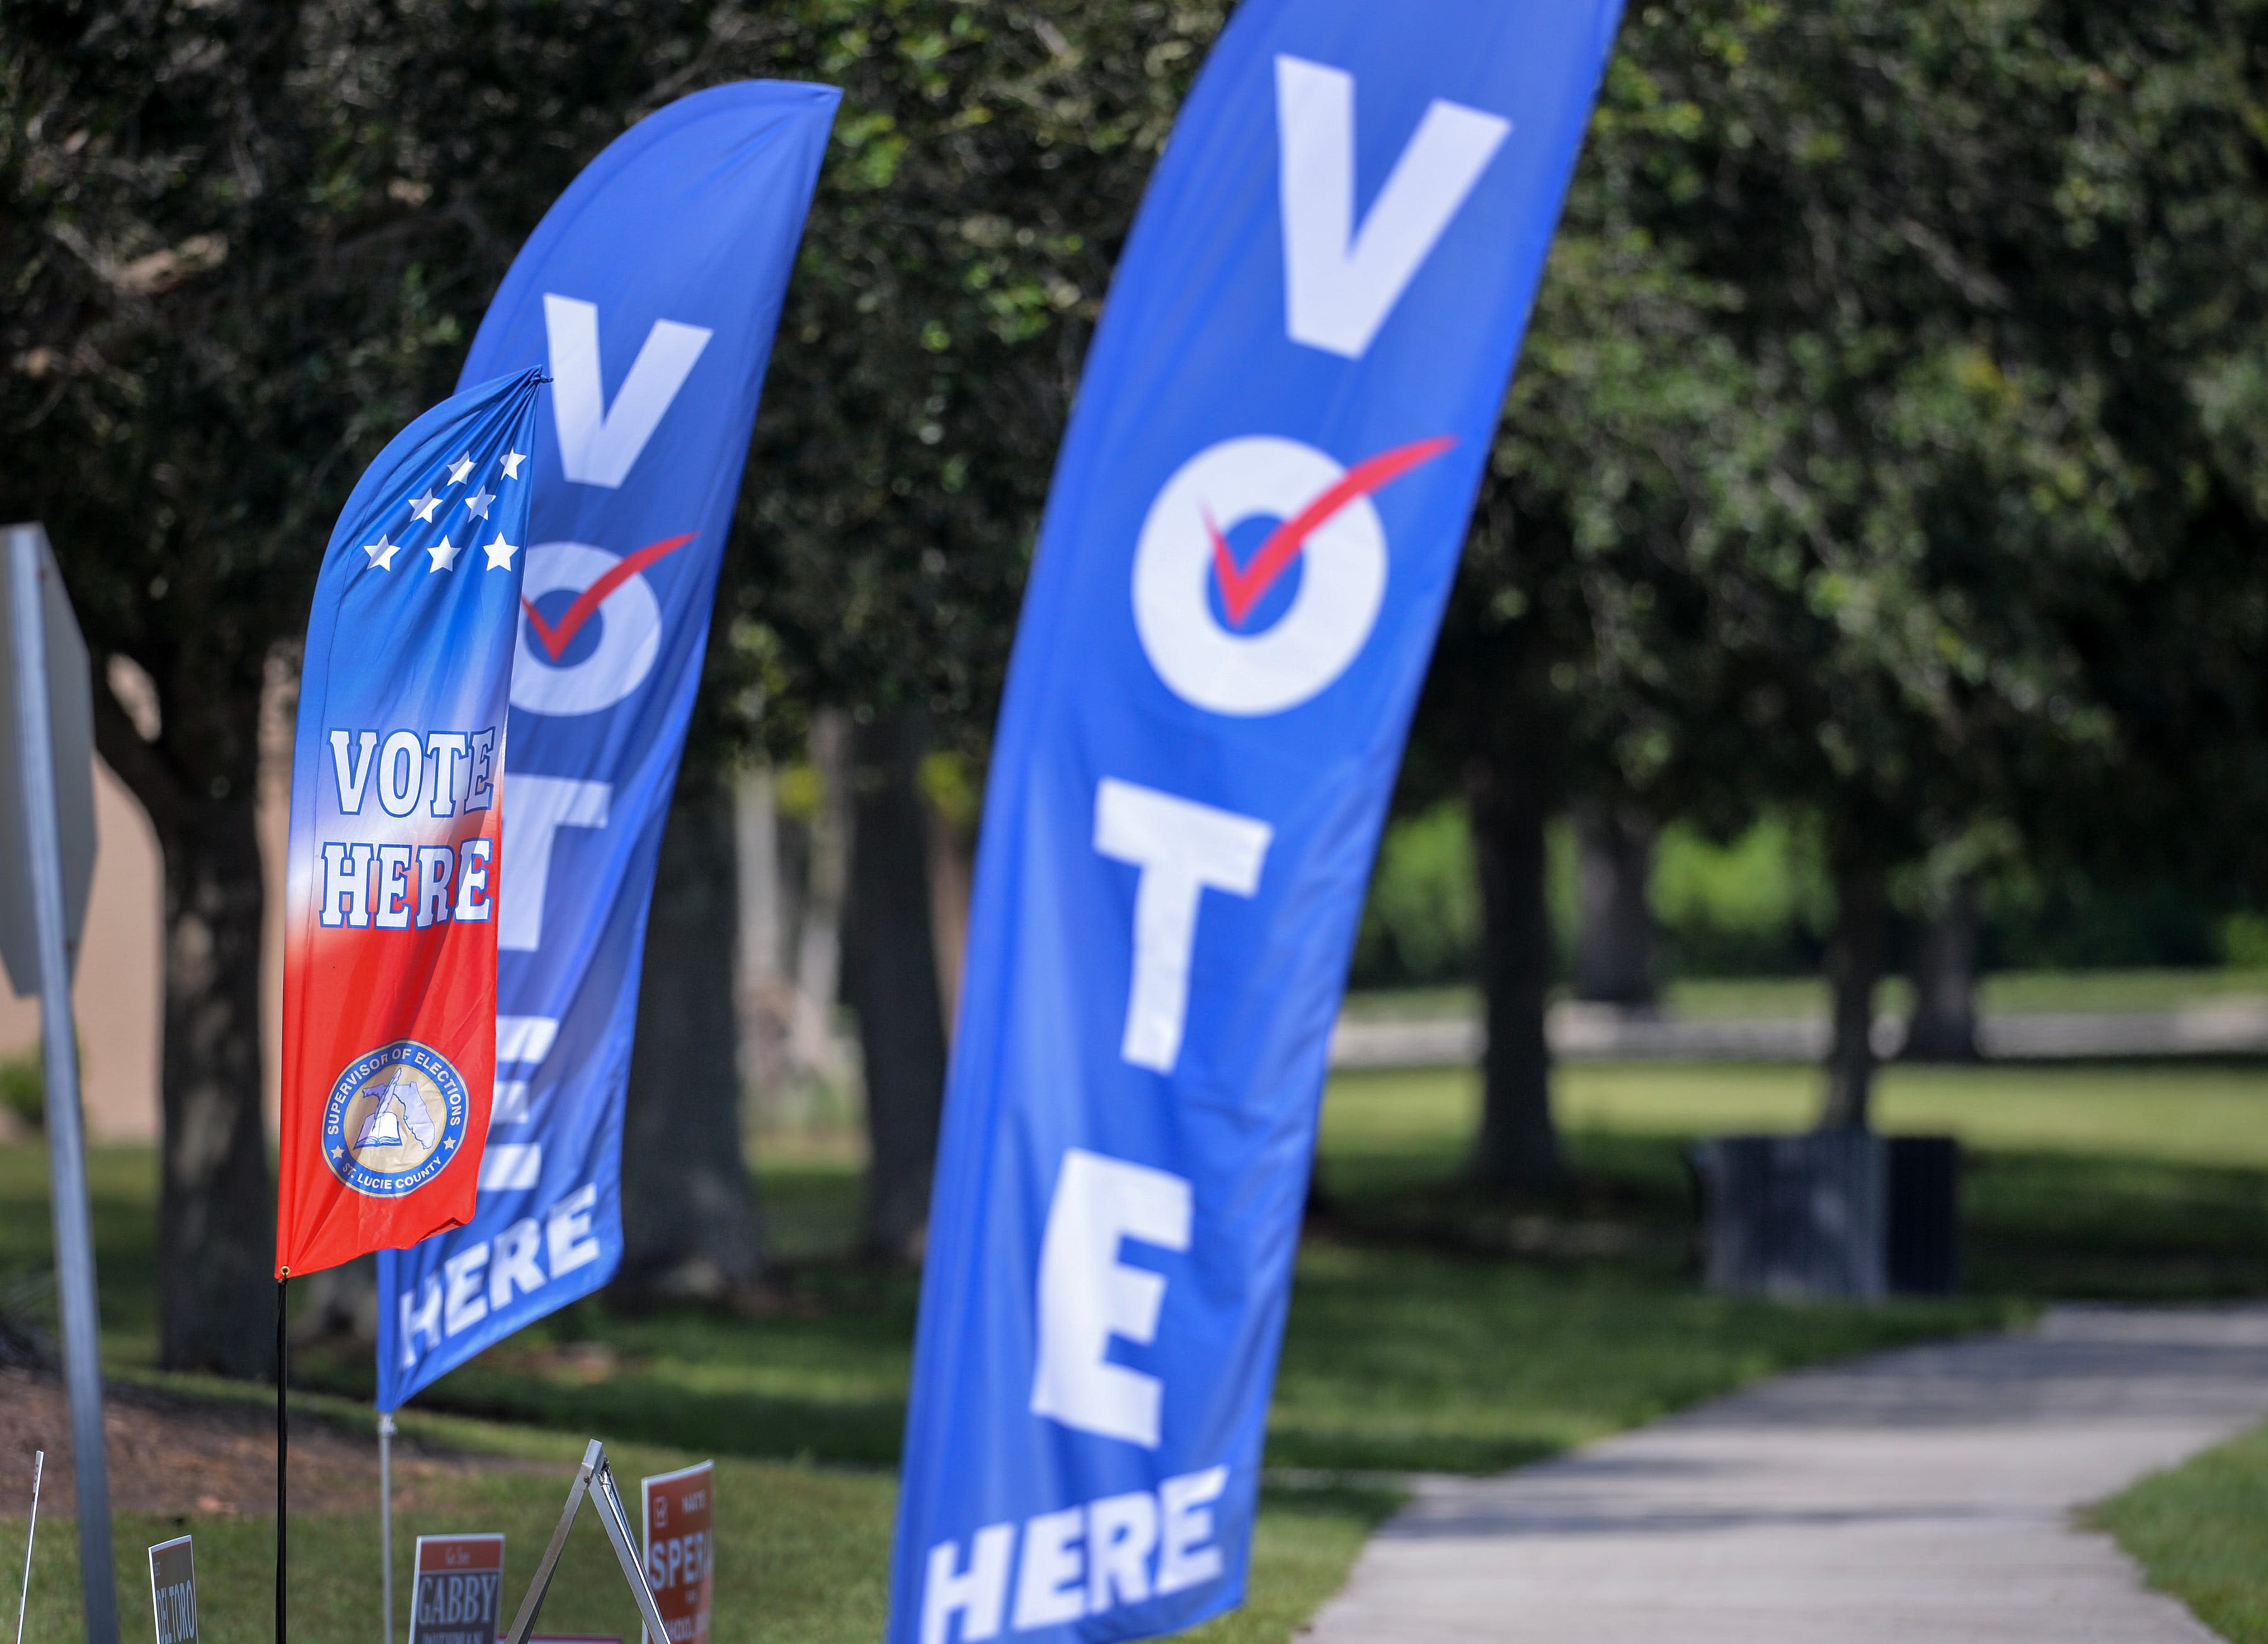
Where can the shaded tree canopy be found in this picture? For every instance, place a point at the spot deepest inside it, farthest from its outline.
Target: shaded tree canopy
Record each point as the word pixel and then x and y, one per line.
pixel 1874 451
pixel 1891 439
pixel 246 241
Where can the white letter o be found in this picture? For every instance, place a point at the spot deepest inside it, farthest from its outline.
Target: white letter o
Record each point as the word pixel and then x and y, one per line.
pixel 629 635
pixel 1341 585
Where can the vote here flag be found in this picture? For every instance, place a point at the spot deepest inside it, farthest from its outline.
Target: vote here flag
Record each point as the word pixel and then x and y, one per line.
pixel 1255 519
pixel 651 292
pixel 395 857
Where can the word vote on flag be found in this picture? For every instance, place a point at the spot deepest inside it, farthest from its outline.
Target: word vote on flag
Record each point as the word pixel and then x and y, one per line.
pixel 397 815
pixel 1255 521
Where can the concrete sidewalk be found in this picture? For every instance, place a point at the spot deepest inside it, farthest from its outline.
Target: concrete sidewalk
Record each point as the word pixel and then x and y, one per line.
pixel 1925 1495
pixel 1602 1032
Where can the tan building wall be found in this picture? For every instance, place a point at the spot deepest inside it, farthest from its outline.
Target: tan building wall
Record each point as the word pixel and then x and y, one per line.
pixel 117 995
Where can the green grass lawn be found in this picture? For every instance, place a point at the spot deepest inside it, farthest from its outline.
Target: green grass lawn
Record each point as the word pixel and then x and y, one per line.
pixel 802 1552
pixel 2200 1532
pixel 1427 1330
pixel 1782 997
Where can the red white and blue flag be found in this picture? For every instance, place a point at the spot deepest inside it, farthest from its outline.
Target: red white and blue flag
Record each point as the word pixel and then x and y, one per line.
pixel 397 814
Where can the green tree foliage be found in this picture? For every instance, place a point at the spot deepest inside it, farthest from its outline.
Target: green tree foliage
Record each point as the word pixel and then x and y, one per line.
pixel 23 1089
pixel 1888 445
pixel 245 241
pixel 1419 924
pixel 986 167
pixel 1874 451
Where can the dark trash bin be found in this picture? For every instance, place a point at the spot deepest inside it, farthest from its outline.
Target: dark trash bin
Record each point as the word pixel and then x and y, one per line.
pixel 1925 1215
pixel 1845 1213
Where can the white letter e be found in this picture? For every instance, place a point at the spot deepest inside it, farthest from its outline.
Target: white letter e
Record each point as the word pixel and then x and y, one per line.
pixel 1087 1295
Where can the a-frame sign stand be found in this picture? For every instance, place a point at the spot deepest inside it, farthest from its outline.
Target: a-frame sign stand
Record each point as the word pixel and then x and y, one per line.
pixel 595 1479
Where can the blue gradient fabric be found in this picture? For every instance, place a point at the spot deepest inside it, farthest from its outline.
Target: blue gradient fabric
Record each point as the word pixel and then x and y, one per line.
pixel 1255 518
pixel 650 292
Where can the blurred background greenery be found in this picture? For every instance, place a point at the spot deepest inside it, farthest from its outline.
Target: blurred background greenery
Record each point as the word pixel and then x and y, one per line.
pixel 1761 903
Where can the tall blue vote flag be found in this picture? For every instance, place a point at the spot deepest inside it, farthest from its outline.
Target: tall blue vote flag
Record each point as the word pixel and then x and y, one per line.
pixel 650 292
pixel 1255 519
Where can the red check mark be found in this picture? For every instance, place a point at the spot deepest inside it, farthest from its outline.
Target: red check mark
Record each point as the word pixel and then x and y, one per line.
pixel 1241 589
pixel 586 603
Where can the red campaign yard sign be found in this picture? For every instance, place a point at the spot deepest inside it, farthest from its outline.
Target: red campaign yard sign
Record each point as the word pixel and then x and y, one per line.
pixel 681 1564
pixel 460 1589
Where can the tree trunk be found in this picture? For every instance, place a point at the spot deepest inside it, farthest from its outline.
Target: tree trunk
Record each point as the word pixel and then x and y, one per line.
pixel 690 1228
pixel 1943 1026
pixel 889 979
pixel 951 875
pixel 216 1202
pixel 338 1305
pixel 823 857
pixel 1854 965
pixel 1614 922
pixel 1517 1151
pixel 760 982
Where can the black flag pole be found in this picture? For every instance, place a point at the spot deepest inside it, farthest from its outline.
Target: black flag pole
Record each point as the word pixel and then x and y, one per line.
pixel 283 1447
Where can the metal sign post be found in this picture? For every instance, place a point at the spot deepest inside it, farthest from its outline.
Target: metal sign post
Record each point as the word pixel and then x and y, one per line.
pixel 386 1519
pixel 34 594
pixel 596 1479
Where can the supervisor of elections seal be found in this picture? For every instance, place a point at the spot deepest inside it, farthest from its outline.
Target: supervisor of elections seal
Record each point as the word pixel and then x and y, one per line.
pixel 394 1119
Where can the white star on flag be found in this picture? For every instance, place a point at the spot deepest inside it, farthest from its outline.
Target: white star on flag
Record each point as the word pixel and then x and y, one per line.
pixel 477 504
pixel 499 553
pixel 421 507
pixel 458 469
pixel 444 556
pixel 511 461
pixel 382 552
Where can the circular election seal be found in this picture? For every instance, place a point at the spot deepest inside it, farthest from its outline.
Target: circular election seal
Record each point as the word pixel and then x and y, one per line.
pixel 394 1119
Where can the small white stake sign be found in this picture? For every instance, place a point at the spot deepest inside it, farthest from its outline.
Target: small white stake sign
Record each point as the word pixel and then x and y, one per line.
pixel 174 1590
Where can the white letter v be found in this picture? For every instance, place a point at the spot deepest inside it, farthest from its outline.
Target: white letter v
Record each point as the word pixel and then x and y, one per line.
pixel 1340 284
pixel 597 444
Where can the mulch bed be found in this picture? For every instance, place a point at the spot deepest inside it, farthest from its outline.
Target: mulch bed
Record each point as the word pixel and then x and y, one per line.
pixel 172 1453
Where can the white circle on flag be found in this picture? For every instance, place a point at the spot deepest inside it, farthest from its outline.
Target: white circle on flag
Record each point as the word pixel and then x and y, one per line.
pixel 1342 578
pixel 630 634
